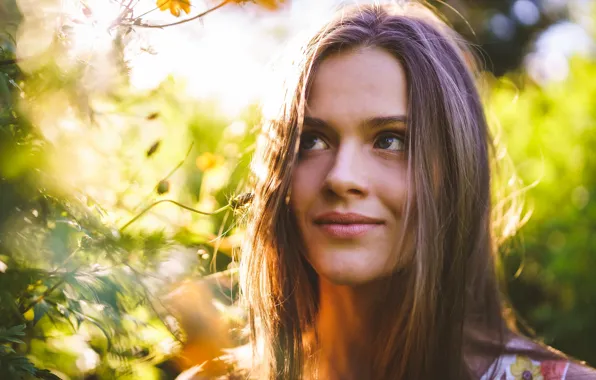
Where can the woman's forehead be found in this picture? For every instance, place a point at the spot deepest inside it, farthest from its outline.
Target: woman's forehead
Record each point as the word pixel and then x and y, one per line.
pixel 362 84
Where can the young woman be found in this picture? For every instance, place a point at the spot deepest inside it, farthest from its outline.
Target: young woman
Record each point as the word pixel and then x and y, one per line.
pixel 370 251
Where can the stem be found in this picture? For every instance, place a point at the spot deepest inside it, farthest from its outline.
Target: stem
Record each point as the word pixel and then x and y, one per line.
pixel 139 215
pixel 149 11
pixel 149 297
pixel 171 173
pixel 48 291
pixel 7 62
pixel 188 19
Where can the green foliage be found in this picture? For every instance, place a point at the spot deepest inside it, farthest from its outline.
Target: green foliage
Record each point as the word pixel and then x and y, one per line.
pixel 14 365
pixel 99 191
pixel 80 294
pixel 549 133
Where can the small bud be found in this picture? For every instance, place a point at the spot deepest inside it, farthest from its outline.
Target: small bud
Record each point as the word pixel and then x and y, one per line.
pixel 241 200
pixel 153 148
pixel 87 11
pixel 29 314
pixel 163 187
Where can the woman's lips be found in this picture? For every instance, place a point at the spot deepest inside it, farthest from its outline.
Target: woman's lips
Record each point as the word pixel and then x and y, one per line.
pixel 347 231
pixel 346 225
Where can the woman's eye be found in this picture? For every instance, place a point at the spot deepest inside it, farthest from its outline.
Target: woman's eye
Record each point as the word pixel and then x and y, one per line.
pixel 390 141
pixel 312 142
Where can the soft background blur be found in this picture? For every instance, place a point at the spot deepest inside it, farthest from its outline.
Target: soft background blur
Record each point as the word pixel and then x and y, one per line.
pixel 101 117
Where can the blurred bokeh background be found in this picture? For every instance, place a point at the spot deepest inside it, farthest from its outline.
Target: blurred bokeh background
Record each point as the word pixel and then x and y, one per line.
pixel 116 127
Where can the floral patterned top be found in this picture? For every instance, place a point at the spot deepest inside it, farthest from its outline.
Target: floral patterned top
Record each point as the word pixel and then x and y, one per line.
pixel 518 367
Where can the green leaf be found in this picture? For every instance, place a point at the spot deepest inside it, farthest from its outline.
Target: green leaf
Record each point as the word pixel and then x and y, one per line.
pixel 46 375
pixel 11 340
pixel 6 350
pixel 18 330
pixel 5 95
pixel 11 335
pixel 40 309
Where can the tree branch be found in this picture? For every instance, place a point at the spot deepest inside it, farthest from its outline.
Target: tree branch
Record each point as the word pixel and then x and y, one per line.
pixel 186 20
pixel 177 204
pixel 7 62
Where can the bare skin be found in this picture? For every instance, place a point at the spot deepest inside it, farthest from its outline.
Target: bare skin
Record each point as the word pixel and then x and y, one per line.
pixel 352 160
pixel 345 331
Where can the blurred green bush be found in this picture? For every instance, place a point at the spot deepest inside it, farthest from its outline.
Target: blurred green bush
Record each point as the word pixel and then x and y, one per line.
pixel 550 134
pixel 89 281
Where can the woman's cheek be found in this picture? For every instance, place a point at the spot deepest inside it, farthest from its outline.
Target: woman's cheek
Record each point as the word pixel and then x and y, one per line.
pixel 309 176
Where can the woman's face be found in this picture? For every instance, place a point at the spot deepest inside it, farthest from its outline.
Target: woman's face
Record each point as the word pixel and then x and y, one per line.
pixel 349 185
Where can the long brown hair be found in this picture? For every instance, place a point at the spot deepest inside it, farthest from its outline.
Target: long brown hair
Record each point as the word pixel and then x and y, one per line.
pixel 452 310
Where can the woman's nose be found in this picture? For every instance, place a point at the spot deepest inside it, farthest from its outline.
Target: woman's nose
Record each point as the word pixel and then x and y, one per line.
pixel 347 176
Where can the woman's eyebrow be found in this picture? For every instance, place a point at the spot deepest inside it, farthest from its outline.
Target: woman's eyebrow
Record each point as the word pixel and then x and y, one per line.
pixel 373 122
pixel 385 121
pixel 315 122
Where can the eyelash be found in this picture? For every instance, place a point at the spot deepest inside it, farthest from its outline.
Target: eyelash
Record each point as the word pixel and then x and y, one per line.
pixel 391 133
pixel 400 137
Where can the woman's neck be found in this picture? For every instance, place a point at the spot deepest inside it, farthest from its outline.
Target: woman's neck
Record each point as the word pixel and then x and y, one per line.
pixel 346 326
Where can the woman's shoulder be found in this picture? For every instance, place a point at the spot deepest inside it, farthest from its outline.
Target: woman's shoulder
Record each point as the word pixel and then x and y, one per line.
pixel 526 359
pixel 580 371
pixel 522 367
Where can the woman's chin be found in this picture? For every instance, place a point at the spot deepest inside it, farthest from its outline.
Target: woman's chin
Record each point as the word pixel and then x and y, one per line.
pixel 350 266
pixel 350 276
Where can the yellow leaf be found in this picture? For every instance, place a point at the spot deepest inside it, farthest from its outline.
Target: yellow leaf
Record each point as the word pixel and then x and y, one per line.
pixel 174 6
pixel 270 4
pixel 208 161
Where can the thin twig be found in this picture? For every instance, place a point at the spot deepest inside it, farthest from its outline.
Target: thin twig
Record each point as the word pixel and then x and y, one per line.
pixel 188 19
pixel 40 298
pixel 217 276
pixel 218 240
pixel 7 62
pixel 149 297
pixel 149 11
pixel 177 204
pixel 171 173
